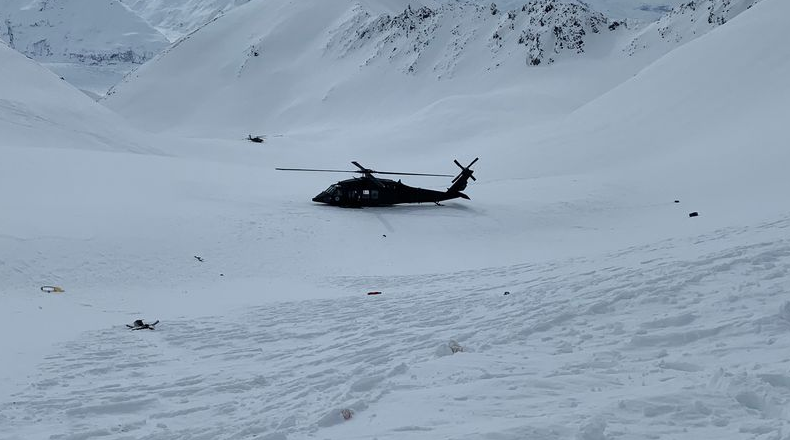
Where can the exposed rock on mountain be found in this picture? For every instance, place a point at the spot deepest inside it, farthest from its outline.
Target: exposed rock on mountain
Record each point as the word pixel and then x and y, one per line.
pixel 539 32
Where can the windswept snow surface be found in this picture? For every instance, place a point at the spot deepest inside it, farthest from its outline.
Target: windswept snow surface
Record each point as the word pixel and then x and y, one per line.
pixel 688 343
pixel 625 318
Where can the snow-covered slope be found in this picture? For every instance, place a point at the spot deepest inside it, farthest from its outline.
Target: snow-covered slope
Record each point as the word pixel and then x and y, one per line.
pixel 38 109
pixel 699 107
pixel 69 35
pixel 686 22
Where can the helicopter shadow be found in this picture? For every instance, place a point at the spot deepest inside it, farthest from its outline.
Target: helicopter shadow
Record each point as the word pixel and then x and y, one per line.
pixel 423 210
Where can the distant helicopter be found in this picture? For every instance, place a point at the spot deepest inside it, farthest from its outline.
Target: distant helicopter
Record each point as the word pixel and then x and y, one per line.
pixel 369 190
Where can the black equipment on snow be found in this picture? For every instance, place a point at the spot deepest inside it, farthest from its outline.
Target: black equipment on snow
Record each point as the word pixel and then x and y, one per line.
pixel 140 325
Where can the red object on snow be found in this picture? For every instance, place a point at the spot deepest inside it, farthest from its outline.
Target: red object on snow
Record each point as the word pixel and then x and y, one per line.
pixel 374 293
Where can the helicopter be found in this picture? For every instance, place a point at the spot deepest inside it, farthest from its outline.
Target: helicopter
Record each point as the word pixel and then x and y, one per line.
pixel 369 190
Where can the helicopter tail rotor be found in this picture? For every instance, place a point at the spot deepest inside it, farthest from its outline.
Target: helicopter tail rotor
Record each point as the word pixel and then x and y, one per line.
pixel 459 182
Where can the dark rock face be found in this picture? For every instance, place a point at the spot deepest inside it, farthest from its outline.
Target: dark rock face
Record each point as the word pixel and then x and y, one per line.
pixel 556 27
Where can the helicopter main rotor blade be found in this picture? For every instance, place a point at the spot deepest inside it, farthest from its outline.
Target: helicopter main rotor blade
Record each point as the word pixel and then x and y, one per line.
pixel 311 169
pixel 370 171
pixel 412 174
pixel 364 170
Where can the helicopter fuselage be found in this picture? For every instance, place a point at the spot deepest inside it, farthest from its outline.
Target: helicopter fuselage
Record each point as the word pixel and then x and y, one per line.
pixel 372 191
pixel 369 190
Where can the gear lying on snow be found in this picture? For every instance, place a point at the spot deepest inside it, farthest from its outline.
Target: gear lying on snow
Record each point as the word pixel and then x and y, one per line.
pixel 140 325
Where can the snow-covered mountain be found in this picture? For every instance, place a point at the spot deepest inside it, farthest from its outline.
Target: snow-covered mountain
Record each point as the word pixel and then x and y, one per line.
pixel 360 46
pixel 69 35
pixel 176 18
pixel 94 47
pixel 269 50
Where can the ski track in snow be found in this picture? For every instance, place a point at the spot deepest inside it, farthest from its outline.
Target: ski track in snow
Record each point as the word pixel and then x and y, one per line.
pixel 611 348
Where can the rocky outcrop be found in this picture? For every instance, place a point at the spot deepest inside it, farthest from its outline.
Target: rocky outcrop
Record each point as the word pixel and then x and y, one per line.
pixel 550 28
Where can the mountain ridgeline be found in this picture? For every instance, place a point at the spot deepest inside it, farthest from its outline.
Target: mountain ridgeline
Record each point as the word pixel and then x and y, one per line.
pixel 539 32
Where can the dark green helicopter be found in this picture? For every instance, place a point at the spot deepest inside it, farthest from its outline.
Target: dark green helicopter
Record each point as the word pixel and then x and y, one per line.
pixel 369 190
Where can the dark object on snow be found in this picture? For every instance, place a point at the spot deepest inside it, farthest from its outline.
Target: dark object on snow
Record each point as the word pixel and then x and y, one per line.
pixel 199 258
pixel 507 293
pixel 373 191
pixel 140 325
pixel 677 201
pixel 346 413
pixel 256 139
pixel 374 293
pixel 694 214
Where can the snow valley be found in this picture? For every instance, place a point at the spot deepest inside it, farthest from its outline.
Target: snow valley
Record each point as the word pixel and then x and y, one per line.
pixel 572 297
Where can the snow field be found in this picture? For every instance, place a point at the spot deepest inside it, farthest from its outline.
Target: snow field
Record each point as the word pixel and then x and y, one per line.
pixel 609 347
